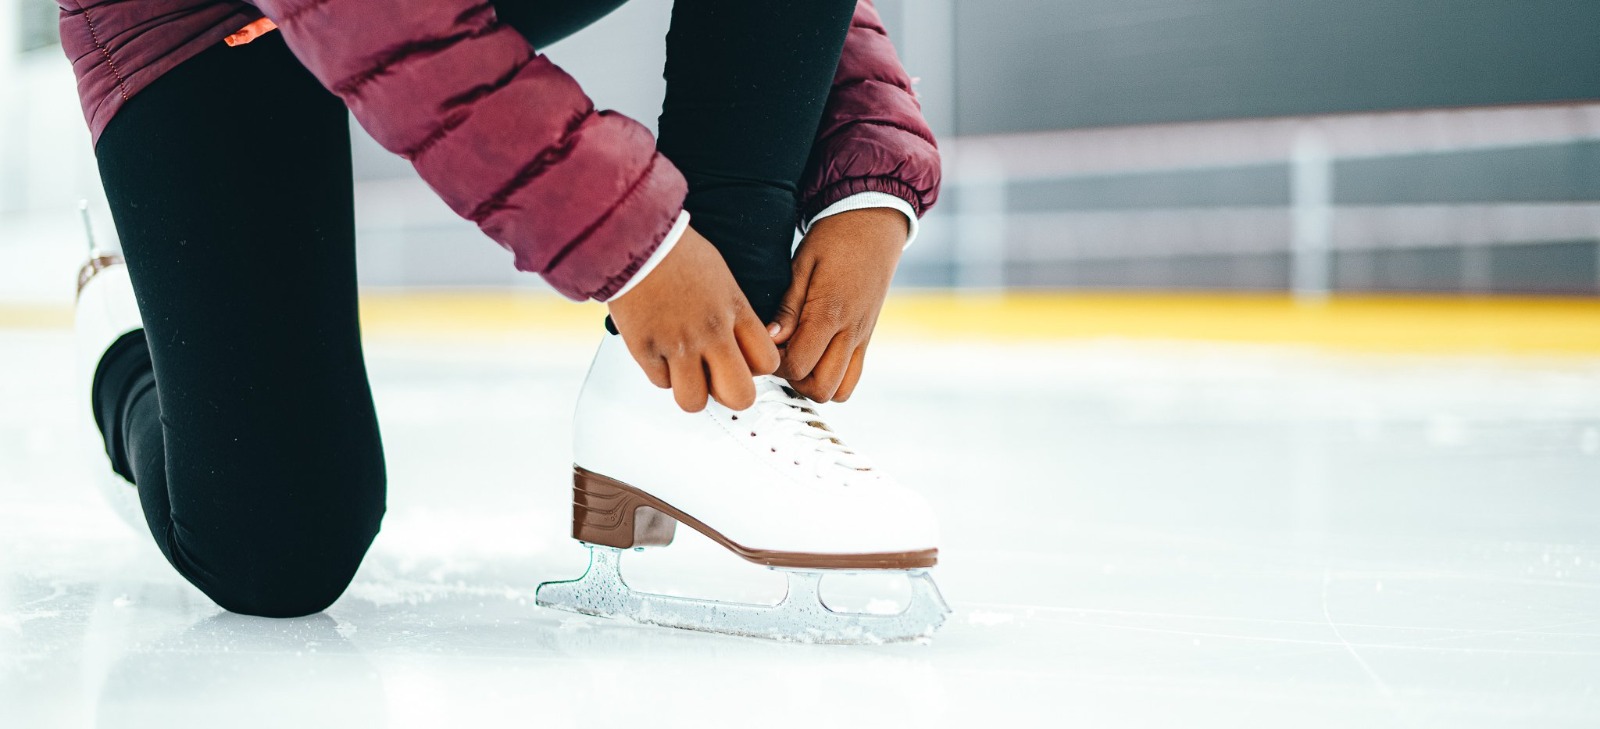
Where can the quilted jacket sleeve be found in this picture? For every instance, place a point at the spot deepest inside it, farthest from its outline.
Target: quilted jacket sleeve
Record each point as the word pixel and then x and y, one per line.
pixel 872 137
pixel 503 135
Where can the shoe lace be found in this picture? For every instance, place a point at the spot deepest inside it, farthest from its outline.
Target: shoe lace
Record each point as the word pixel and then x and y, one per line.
pixel 801 434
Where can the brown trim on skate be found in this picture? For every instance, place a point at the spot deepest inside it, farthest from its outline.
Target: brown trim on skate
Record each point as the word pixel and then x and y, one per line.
pixel 608 512
pixel 93 266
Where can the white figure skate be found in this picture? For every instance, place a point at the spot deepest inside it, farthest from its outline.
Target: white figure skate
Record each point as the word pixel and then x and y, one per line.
pixel 106 311
pixel 771 484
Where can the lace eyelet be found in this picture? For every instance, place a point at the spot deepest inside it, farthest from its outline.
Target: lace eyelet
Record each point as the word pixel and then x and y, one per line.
pixel 735 417
pixel 752 434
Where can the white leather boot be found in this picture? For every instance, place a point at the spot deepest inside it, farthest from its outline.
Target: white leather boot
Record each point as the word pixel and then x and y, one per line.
pixel 106 310
pixel 771 483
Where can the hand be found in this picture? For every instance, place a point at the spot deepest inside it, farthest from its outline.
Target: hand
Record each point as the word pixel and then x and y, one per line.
pixel 691 328
pixel 841 276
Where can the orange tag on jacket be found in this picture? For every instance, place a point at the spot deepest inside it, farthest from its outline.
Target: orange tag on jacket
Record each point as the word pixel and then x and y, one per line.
pixel 251 32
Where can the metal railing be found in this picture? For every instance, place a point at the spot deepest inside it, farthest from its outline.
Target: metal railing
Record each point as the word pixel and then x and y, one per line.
pixel 987 236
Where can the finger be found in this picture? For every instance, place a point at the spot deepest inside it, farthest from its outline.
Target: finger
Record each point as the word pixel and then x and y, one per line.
pixel 689 383
pixel 811 337
pixel 731 382
pixel 656 370
pixel 794 299
pixel 654 366
pixel 852 375
pixel 824 379
pixel 758 351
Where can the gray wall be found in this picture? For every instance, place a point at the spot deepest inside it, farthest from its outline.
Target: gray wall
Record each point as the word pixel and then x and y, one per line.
pixel 1066 68
pixel 1027 65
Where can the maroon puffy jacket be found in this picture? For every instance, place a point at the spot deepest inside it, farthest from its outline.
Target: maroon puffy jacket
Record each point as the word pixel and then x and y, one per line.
pixel 579 196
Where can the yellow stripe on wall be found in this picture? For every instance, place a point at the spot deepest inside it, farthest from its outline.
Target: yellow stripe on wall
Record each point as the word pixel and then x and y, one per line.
pixel 1413 324
pixel 27 316
pixel 1398 324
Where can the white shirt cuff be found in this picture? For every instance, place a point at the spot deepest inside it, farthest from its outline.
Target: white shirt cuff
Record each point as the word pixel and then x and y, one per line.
pixel 864 200
pixel 673 235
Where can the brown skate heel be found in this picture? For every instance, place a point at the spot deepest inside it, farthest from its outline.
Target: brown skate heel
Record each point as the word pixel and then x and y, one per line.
pixel 94 266
pixel 607 514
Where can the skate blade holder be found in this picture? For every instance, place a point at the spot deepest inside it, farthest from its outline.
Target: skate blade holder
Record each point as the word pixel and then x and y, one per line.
pixel 801 616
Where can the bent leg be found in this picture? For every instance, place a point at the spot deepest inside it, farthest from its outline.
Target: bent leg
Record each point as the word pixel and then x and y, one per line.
pixel 252 436
pixel 746 86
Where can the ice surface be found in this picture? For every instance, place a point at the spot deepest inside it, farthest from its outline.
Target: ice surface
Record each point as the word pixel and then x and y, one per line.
pixel 1162 535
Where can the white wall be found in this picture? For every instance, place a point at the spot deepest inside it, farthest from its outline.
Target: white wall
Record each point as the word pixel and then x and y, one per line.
pixel 46 167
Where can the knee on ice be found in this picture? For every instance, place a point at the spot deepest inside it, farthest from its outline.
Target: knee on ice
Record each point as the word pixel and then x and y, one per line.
pixel 287 582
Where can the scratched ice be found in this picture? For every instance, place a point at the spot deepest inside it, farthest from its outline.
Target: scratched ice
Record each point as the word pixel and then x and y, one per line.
pixel 1136 534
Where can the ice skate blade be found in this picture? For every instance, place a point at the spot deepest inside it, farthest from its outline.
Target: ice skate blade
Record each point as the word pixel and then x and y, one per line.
pixel 801 617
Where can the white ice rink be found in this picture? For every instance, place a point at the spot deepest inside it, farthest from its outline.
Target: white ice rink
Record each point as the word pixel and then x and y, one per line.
pixel 1136 534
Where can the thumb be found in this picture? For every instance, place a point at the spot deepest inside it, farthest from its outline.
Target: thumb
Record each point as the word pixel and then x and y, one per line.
pixel 788 317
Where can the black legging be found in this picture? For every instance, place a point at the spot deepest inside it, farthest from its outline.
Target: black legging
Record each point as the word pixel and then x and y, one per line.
pixel 244 415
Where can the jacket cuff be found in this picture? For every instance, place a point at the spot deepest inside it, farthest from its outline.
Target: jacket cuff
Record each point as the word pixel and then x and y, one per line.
pixel 863 201
pixel 673 236
pixel 850 186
